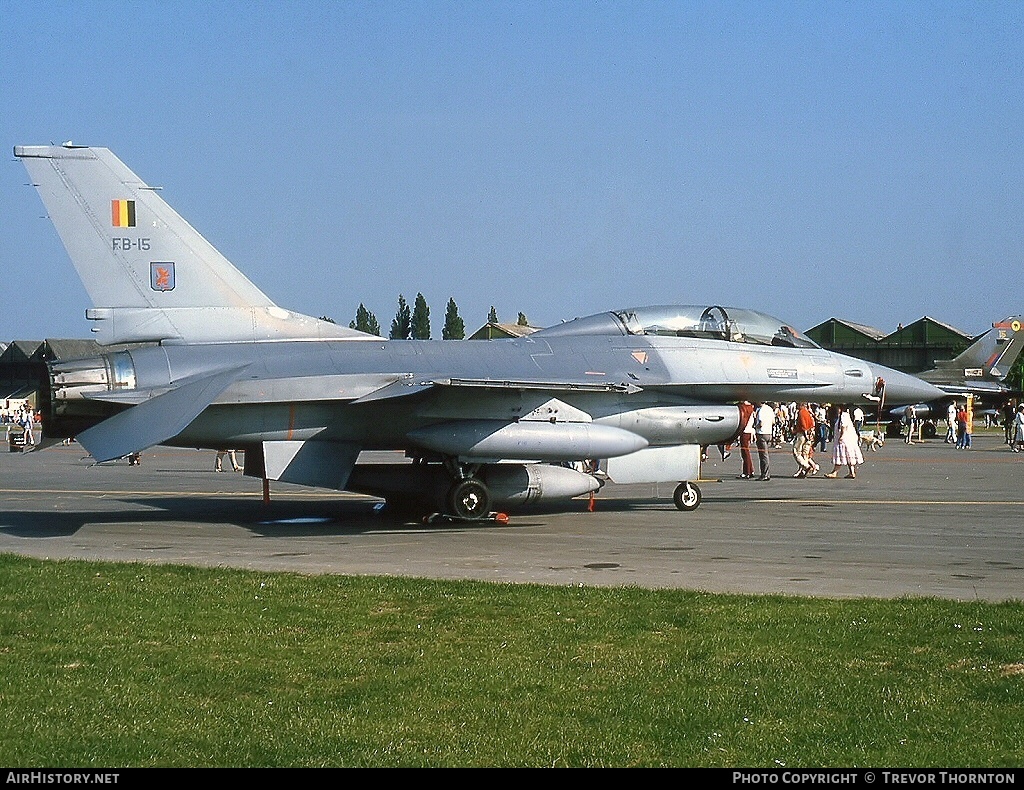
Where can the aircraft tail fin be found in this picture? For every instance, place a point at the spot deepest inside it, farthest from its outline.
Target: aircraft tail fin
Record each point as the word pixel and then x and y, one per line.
pixel 990 357
pixel 150 275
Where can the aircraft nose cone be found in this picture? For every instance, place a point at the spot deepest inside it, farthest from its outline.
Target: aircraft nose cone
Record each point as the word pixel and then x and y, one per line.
pixel 902 388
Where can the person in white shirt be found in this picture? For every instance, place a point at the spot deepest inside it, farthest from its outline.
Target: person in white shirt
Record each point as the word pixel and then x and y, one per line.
pixel 28 422
pixel 951 423
pixel 764 426
pixel 910 417
pixel 820 427
pixel 858 420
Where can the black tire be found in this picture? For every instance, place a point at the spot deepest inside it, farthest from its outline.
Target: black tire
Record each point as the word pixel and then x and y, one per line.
pixel 687 496
pixel 929 430
pixel 469 499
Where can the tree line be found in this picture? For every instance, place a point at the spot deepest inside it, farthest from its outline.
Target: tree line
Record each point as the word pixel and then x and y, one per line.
pixel 413 323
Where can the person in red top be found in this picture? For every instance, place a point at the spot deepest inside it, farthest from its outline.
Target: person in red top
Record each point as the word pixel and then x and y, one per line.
pixel 963 438
pixel 803 444
pixel 746 436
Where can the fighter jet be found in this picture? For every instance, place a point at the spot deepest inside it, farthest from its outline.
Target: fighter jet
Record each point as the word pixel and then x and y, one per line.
pixel 980 371
pixel 485 424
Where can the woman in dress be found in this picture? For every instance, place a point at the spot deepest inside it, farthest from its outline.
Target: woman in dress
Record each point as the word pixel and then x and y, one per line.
pixel 846 445
pixel 1018 430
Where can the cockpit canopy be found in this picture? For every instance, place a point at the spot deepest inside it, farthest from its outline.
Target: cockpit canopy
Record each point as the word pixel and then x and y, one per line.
pixel 734 324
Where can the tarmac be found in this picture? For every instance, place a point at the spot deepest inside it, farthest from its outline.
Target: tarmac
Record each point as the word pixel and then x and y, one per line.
pixel 921 520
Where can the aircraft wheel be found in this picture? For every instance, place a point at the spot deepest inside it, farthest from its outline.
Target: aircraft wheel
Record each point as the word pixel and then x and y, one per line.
pixel 929 430
pixel 687 496
pixel 469 499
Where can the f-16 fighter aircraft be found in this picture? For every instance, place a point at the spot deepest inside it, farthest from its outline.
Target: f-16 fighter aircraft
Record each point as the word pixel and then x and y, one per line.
pixel 486 423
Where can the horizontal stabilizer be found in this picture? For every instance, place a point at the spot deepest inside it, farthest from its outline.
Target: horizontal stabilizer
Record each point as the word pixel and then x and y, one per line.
pixel 154 421
pixel 127 397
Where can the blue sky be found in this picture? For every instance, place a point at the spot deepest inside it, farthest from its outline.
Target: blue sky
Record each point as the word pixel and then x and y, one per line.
pixel 810 159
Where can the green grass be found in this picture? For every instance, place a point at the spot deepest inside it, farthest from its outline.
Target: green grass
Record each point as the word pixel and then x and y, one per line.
pixel 136 665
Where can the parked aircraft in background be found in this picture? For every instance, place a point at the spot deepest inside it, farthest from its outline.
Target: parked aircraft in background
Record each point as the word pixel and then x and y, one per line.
pixel 486 424
pixel 980 371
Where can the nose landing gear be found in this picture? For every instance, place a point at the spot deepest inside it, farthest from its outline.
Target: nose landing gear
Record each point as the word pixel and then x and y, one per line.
pixel 686 496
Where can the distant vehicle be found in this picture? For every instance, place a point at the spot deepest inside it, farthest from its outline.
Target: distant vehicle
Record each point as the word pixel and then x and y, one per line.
pixel 979 371
pixel 497 423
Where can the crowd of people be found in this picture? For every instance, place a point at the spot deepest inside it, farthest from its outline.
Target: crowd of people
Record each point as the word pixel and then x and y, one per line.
pixel 808 427
pixel 960 424
pixel 811 427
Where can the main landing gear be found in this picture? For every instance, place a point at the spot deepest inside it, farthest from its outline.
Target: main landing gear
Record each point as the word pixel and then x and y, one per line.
pixel 468 499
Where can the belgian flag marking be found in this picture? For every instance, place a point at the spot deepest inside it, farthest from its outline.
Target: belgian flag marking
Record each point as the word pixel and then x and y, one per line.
pixel 122 213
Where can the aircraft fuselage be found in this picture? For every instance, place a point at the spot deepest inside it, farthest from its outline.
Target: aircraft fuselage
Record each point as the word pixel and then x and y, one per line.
pixel 376 393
